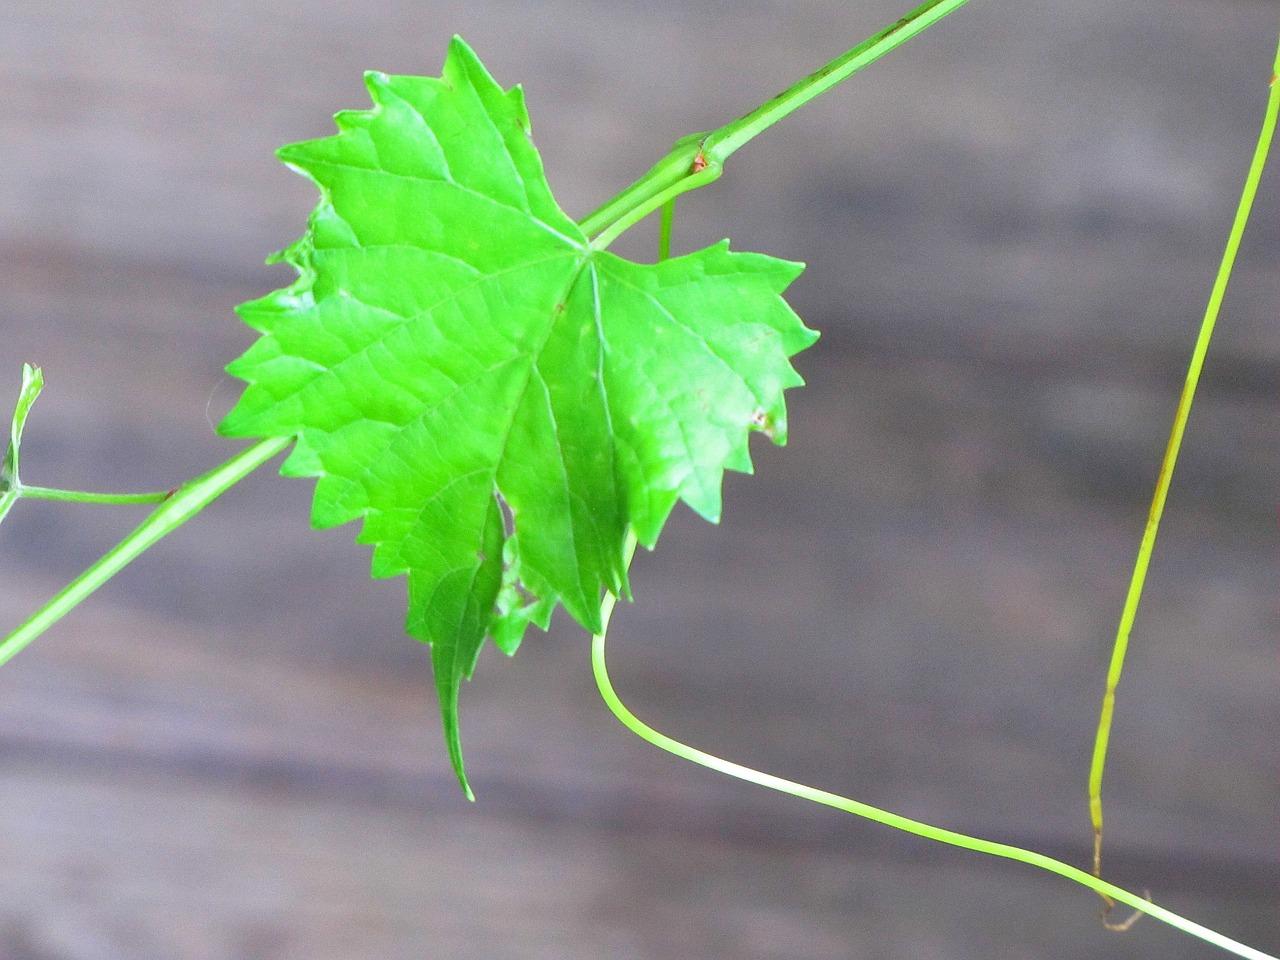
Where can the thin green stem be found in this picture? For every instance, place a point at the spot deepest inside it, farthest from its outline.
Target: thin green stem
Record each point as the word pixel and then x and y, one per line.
pixel 720 144
pixel 693 155
pixel 188 500
pixel 665 229
pixel 82 496
pixel 858 809
pixel 1165 477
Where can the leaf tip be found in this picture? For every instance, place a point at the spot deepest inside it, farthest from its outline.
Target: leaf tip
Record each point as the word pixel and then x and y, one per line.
pixel 460 770
pixel 453 741
pixel 297 157
pixel 32 380
pixel 791 269
pixel 459 49
pixel 375 81
pixel 515 96
pixel 447 689
pixel 228 425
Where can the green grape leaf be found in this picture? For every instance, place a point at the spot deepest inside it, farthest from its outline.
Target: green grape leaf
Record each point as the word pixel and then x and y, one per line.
pixel 496 399
pixel 10 483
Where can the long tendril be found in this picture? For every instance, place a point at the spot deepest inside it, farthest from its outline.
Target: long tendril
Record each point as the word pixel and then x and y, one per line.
pixel 896 821
pixel 1134 596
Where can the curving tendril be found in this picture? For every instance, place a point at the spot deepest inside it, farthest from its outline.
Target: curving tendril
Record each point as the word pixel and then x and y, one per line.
pixel 898 822
pixel 1133 597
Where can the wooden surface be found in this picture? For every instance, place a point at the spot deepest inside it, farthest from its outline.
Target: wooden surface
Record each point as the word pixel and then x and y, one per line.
pixel 232 751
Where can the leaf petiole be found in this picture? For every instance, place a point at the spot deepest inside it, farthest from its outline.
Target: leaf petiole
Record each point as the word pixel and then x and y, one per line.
pixel 665 196
pixel 665 229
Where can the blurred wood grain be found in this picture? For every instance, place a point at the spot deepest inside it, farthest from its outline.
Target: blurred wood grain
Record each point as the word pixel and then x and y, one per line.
pixel 1011 224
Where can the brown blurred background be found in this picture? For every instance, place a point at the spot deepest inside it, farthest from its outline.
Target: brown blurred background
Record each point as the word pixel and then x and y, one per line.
pixel 1011 225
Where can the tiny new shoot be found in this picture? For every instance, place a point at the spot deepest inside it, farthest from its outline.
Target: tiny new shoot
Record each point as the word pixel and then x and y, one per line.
pixel 12 489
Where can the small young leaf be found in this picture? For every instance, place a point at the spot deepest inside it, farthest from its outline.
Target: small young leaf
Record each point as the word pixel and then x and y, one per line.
pixel 496 399
pixel 32 384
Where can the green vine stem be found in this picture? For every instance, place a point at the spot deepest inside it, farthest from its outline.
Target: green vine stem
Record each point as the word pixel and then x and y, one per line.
pixel 896 821
pixel 685 168
pixel 1165 477
pixel 698 159
pixel 188 500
